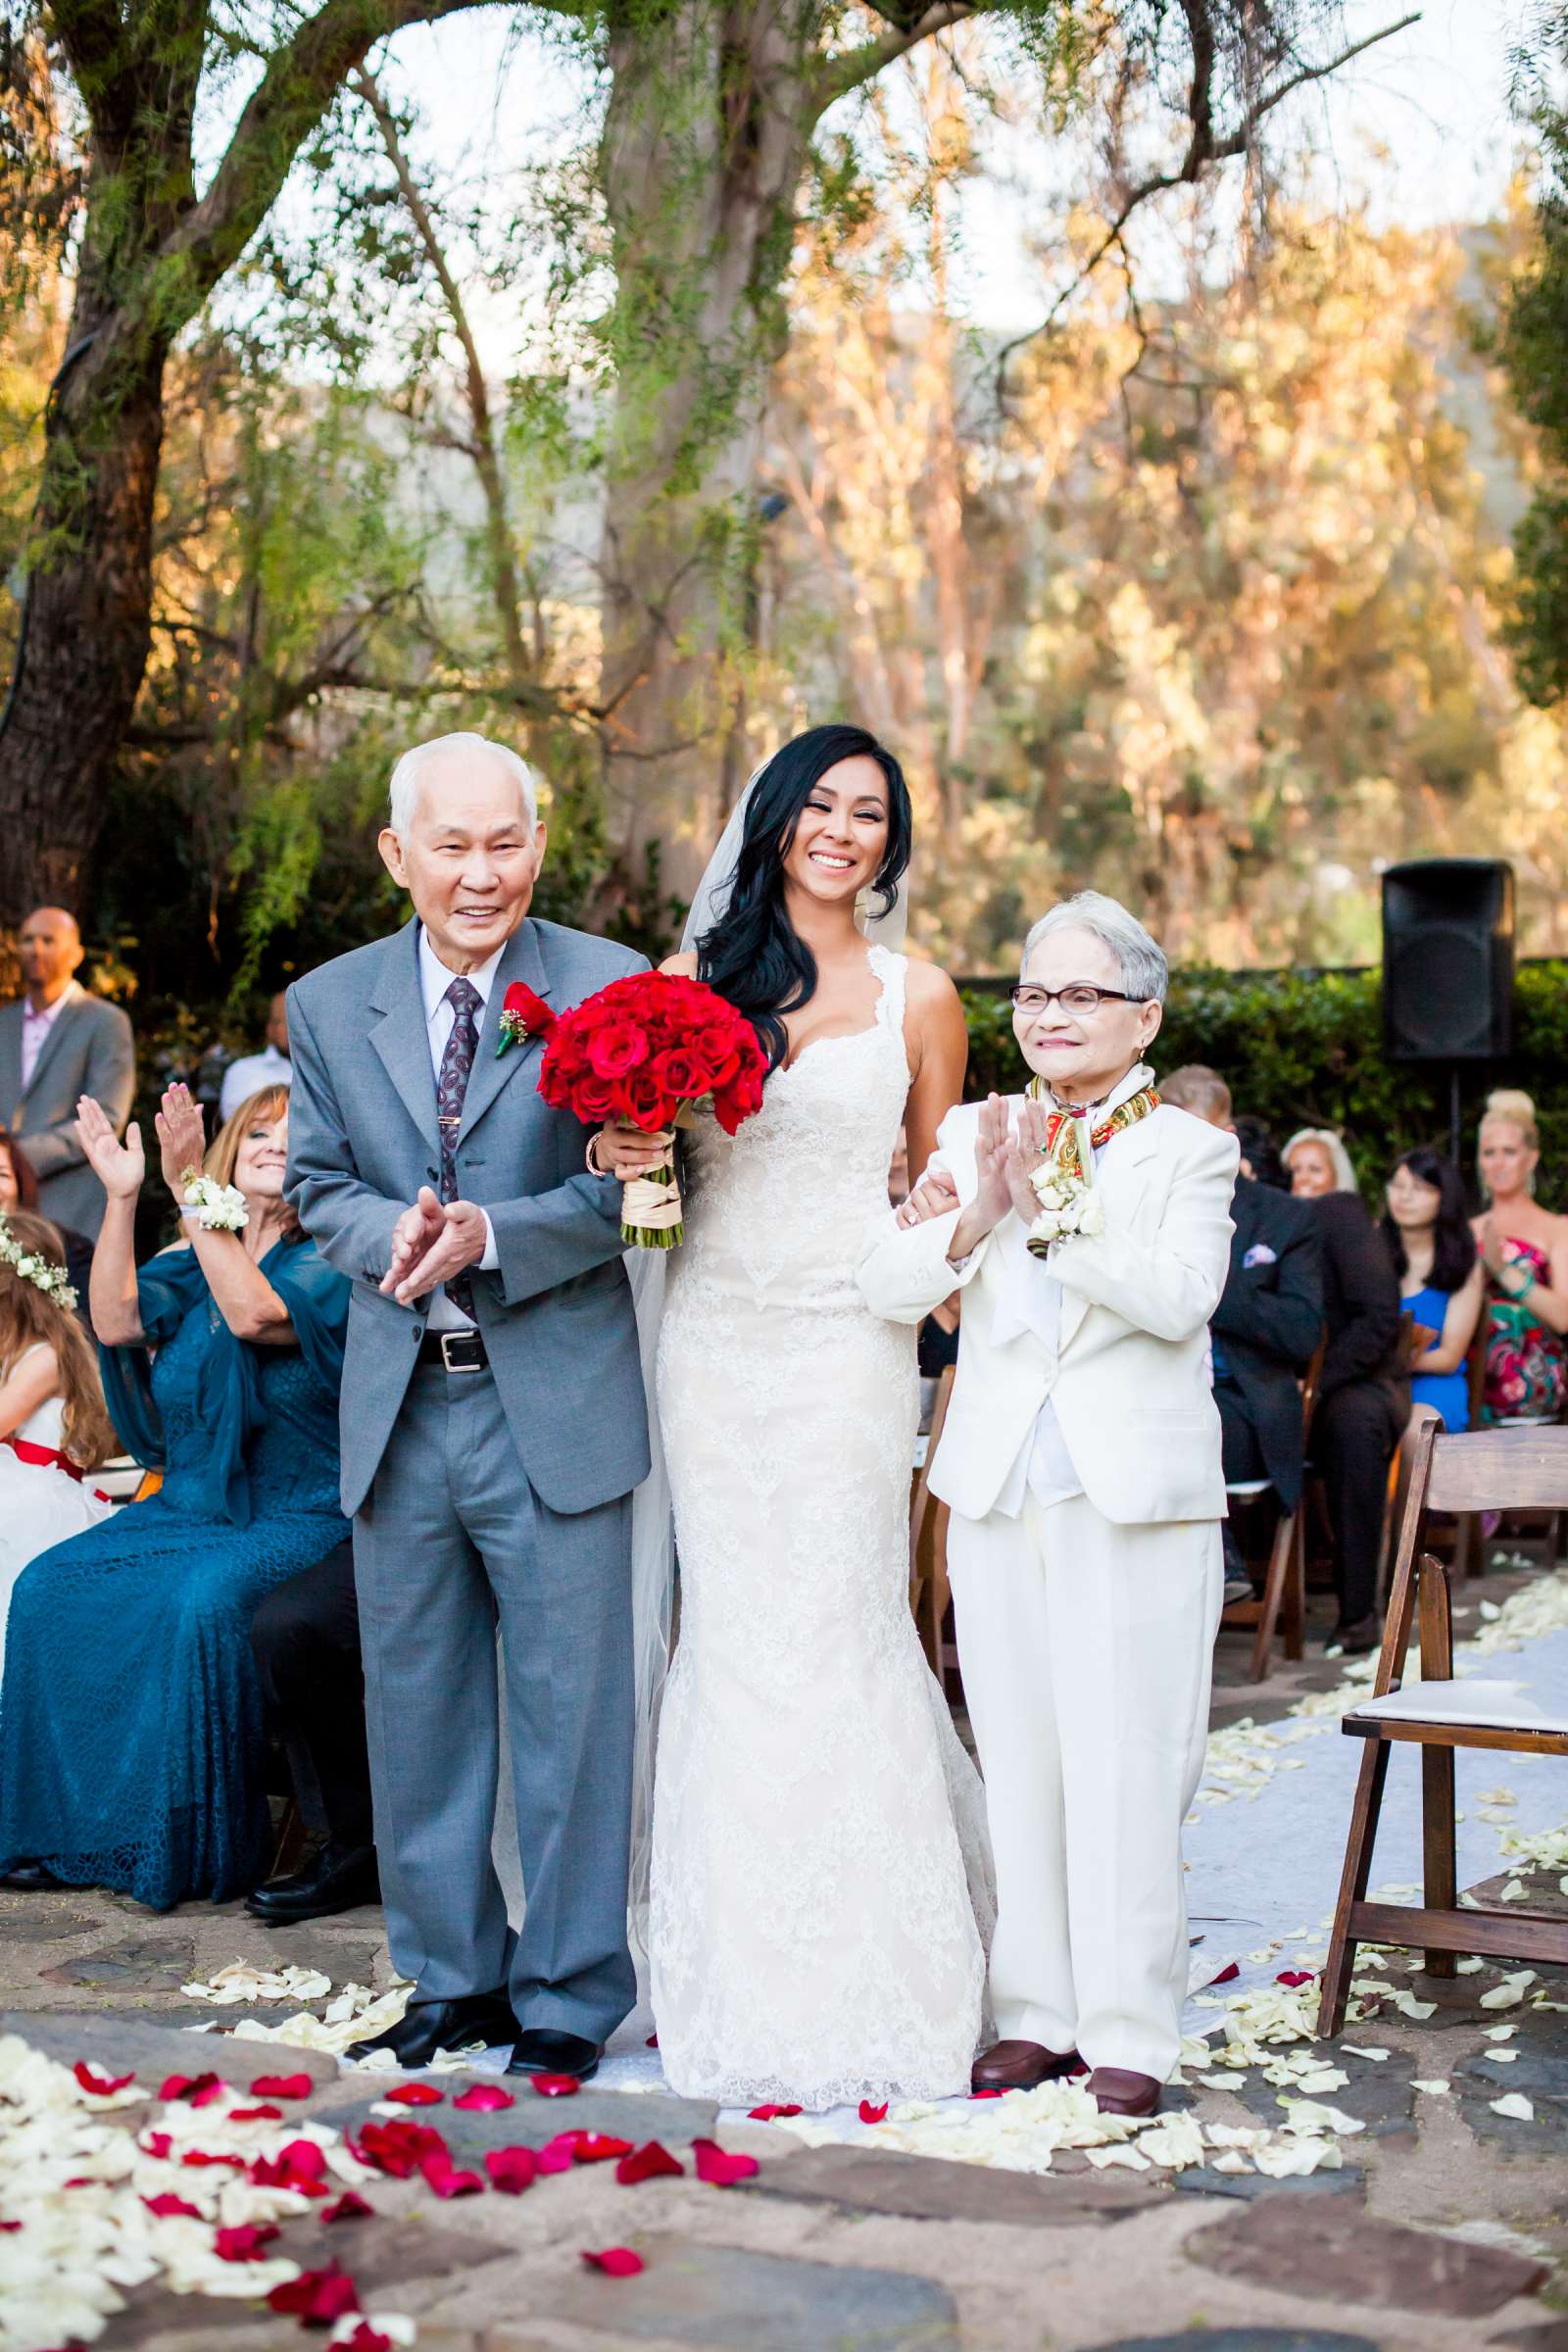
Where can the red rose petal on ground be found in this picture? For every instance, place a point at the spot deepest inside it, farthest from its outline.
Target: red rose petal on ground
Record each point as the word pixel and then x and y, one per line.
pixel 595 2147
pixel 365 2338
pixel 616 2262
pixel 6 2227
pixel 186 2086
pixel 985 2095
pixel 556 2086
pixel 316 2297
pixel 718 2168
pixel 651 2042
pixel 872 2115
pixel 244 2242
pixel 209 2094
pixel 1226 1975
pixel 1294 1977
pixel 650 2162
pixel 255 2115
pixel 156 2143
pixel 511 2170
pixel 765 2115
pixel 485 2098
pixel 299 2165
pixel 442 2175
pixel 100 2085
pixel 349 2207
pixel 282 2086
pixel 397 2148
pixel 165 2205
pixel 197 2157
pixel 416 2094
pixel 557 2155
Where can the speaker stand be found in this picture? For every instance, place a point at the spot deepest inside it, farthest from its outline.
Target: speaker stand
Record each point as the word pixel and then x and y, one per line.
pixel 1454 1112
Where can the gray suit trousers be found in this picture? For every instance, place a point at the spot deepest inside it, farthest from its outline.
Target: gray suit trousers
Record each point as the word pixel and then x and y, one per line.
pixel 451 1539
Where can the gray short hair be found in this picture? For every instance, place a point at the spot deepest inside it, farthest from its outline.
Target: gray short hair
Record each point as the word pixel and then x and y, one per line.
pixel 1144 969
pixel 403 792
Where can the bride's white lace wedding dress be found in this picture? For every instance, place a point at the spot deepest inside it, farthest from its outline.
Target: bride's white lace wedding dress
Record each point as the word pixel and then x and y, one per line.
pixel 818 1845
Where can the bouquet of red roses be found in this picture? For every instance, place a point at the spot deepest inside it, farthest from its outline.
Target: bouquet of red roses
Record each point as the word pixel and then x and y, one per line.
pixel 654 1049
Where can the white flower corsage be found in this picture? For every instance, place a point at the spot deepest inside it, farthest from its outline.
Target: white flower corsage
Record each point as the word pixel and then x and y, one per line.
pixel 215 1207
pixel 1067 1206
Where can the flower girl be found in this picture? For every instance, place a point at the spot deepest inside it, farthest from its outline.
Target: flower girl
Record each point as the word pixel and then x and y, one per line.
pixel 53 1426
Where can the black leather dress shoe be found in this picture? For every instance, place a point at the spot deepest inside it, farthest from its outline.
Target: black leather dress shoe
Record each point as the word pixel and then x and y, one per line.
pixel 542 2051
pixel 427 2027
pixel 337 1878
pixel 30 1878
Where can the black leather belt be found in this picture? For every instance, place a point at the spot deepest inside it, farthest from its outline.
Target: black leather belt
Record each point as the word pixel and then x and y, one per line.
pixel 455 1350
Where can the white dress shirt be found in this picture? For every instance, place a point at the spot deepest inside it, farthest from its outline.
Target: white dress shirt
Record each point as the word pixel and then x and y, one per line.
pixel 35 1027
pixel 248 1076
pixel 445 1314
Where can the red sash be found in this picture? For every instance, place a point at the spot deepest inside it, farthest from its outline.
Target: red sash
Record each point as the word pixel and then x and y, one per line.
pixel 43 1458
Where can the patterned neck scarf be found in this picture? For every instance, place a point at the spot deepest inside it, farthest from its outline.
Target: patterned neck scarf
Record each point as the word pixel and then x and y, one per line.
pixel 1068 1126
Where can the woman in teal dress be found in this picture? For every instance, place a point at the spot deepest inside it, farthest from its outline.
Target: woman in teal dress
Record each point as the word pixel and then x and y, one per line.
pixel 1439 1273
pixel 131 1733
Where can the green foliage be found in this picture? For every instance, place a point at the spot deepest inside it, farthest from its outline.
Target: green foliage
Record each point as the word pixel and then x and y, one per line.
pixel 1533 345
pixel 1305 1049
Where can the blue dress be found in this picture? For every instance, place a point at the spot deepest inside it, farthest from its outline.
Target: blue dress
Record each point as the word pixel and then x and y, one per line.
pixel 1448 1391
pixel 131 1733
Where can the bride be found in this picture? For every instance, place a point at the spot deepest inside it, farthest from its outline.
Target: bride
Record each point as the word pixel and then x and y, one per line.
pixel 813 1932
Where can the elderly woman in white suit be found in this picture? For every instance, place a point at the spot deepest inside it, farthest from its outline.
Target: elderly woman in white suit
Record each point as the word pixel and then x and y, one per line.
pixel 1081 1459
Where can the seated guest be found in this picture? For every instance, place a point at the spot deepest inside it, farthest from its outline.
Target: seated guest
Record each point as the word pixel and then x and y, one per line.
pixel 1363 1403
pixel 1316 1163
pixel 19 1188
pixel 1434 1255
pixel 306 1636
pixel 53 1425
pixel 131 1735
pixel 253 1071
pixel 58 1043
pixel 1264 1331
pixel 1524 1249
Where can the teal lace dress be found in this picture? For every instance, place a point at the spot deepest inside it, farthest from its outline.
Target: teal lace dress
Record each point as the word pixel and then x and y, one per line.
pixel 130 1719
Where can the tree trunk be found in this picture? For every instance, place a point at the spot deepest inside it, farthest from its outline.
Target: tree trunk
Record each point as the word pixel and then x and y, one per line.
pixel 711 112
pixel 87 626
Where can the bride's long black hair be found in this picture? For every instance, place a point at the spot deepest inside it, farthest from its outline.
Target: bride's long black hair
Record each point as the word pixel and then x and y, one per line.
pixel 754 956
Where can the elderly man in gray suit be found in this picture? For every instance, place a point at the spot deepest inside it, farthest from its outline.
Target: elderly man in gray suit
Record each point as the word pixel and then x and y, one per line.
pixel 56 1044
pixel 494 1422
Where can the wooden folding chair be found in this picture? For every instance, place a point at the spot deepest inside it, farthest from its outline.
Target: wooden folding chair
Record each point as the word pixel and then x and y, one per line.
pixel 1469 1555
pixel 1285 1579
pixel 1482 1470
pixel 928 1540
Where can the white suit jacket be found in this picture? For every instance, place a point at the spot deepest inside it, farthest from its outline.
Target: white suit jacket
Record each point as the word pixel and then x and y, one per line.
pixel 1130 1376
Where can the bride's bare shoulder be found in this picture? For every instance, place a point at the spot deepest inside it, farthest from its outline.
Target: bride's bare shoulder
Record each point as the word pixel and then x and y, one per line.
pixel 685 965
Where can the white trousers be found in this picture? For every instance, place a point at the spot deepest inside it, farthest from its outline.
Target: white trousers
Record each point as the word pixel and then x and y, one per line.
pixel 1086 1651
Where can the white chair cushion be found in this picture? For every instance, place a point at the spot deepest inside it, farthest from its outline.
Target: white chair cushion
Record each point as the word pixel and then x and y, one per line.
pixel 1508 1706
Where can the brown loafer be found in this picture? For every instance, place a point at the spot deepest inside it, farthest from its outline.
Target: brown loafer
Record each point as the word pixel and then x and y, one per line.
pixel 1019 2066
pixel 1115 2091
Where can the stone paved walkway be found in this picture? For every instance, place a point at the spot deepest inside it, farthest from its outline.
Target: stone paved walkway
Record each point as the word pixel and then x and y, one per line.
pixel 1447 2229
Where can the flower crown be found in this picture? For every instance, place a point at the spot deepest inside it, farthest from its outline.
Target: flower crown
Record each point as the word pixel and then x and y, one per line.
pixel 42 1272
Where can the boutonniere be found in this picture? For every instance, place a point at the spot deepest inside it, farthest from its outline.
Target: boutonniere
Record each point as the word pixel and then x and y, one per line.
pixel 522 1016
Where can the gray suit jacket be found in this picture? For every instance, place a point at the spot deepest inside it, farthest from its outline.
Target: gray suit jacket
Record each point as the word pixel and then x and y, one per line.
pixel 556 1315
pixel 90 1051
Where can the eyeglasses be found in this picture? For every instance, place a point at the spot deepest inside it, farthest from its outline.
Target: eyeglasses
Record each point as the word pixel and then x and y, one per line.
pixel 1080 998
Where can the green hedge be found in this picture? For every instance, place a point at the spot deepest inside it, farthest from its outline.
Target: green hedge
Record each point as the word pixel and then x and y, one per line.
pixel 1305 1049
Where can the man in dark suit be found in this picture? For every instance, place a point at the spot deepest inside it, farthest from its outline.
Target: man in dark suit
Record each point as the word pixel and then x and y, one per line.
pixel 1266 1326
pixel 1363 1403
pixel 56 1044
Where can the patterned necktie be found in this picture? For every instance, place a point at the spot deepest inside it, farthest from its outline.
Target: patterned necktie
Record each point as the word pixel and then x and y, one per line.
pixel 451 1088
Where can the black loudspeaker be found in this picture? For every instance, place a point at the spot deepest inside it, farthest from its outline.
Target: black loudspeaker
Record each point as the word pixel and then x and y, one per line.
pixel 1448 960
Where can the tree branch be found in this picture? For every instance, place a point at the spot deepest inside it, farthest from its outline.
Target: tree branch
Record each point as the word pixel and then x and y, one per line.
pixel 840 75
pixel 1203 150
pixel 301 80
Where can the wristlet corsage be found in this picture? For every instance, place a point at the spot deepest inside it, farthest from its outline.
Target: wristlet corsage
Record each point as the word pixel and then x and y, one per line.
pixel 215 1207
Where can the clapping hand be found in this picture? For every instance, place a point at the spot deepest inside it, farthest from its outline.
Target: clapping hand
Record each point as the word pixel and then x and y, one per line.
pixel 182 1138
pixel 119 1167
pixel 431 1244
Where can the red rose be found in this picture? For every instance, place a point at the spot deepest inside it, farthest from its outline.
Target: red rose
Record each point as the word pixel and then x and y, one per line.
pixel 619 1046
pixel 592 1097
pixel 531 1014
pixel 644 1101
pixel 683 1073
